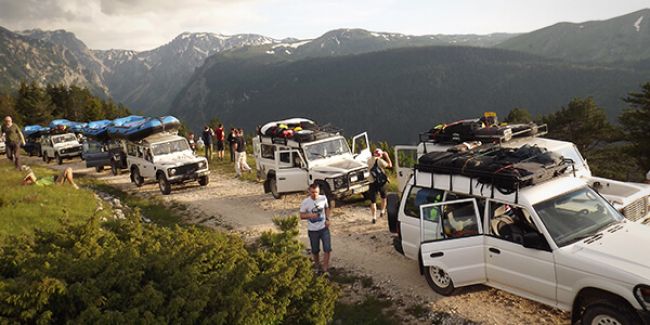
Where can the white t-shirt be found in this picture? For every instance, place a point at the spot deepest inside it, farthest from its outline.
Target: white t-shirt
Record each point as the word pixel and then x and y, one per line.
pixel 319 205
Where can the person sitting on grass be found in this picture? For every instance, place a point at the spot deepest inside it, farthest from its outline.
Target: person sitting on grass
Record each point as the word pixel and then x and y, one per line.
pixel 31 178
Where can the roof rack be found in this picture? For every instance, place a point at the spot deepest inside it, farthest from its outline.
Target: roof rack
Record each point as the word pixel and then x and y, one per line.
pixel 533 131
pixel 320 133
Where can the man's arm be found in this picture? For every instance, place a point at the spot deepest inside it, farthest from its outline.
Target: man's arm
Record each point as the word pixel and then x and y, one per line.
pixel 307 215
pixel 22 137
pixel 390 162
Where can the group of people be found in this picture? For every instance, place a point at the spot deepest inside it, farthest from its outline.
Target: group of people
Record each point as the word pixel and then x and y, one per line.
pixel 215 140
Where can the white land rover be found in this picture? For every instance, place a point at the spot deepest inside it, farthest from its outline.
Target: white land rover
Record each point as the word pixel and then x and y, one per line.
pixel 289 165
pixel 166 158
pixel 59 147
pixel 631 199
pixel 558 242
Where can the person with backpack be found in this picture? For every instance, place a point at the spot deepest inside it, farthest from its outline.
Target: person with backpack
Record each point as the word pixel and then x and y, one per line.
pixel 377 165
pixel 207 140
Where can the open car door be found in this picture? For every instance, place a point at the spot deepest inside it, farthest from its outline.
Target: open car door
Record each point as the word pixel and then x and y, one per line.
pixel 96 154
pixel 361 148
pixel 452 242
pixel 405 159
pixel 290 171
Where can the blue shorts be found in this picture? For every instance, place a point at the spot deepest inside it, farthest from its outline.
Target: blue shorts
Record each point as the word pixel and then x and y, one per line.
pixel 320 235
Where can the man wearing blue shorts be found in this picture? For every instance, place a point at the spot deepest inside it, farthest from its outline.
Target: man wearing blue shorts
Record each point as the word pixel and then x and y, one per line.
pixel 316 211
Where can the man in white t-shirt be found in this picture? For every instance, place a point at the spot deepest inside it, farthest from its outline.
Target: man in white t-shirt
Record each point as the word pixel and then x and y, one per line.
pixel 316 211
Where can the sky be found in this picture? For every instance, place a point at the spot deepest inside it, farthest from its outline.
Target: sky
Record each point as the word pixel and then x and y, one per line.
pixel 146 24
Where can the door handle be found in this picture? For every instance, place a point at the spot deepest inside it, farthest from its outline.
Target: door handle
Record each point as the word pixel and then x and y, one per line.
pixel 437 254
pixel 494 250
pixel 282 178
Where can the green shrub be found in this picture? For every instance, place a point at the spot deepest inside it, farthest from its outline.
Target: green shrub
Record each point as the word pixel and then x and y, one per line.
pixel 127 272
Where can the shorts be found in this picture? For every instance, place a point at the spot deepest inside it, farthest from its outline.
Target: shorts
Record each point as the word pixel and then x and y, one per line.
pixel 374 189
pixel 315 237
pixel 219 145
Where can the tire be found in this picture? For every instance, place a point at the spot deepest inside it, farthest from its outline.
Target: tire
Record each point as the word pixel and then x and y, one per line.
pixel 114 169
pixel 397 244
pixel 273 185
pixel 163 184
pixel 204 180
pixel 392 207
pixel 605 314
pixel 46 158
pixel 59 160
pixel 439 280
pixel 136 178
pixel 99 169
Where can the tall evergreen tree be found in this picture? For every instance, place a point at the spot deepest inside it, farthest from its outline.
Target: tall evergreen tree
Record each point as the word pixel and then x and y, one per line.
pixel 518 115
pixel 34 104
pixel 636 124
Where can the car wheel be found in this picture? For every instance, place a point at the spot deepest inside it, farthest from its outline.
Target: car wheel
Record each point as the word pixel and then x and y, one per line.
pixel 114 168
pixel 99 169
pixel 273 185
pixel 439 280
pixel 397 244
pixel 163 183
pixel 47 158
pixel 392 207
pixel 204 180
pixel 136 178
pixel 604 314
pixel 59 160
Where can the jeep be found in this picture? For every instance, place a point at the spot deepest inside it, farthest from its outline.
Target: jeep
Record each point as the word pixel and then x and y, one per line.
pixel 99 154
pixel 167 159
pixel 59 147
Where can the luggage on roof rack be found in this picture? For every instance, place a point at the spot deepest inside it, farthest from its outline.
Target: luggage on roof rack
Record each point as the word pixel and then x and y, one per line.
pixel 296 129
pixel 507 169
pixel 135 128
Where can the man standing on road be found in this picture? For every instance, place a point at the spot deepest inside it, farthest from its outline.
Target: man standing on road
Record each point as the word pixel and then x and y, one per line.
pixel 219 135
pixel 377 165
pixel 207 140
pixel 316 211
pixel 14 139
pixel 240 153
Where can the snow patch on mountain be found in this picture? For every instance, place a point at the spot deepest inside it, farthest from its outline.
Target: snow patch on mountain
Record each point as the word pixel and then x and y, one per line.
pixel 637 24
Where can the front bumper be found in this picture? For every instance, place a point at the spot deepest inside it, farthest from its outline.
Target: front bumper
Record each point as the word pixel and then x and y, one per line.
pixel 353 182
pixel 69 153
pixel 189 176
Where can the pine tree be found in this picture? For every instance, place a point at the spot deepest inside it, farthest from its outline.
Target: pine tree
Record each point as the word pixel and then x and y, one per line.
pixel 518 115
pixel 34 104
pixel 636 124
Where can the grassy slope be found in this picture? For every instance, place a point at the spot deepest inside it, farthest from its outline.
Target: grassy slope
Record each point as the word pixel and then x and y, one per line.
pixel 25 208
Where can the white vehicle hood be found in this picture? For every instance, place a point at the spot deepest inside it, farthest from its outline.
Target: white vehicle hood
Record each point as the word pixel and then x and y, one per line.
pixel 622 254
pixel 178 159
pixel 339 166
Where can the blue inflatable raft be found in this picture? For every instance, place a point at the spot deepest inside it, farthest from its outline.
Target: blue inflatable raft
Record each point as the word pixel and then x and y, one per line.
pixel 135 129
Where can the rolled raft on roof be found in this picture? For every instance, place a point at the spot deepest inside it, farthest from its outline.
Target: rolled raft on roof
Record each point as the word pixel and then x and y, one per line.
pixel 136 128
pixel 33 131
pixel 97 129
pixel 59 125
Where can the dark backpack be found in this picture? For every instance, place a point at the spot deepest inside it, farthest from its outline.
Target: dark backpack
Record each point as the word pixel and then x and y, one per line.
pixel 380 177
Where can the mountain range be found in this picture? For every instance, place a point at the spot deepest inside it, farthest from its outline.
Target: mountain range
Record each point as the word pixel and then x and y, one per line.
pixel 244 78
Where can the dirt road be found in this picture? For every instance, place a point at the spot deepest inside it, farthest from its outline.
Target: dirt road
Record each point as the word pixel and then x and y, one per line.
pixel 358 246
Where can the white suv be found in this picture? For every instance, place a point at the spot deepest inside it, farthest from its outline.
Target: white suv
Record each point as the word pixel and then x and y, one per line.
pixel 166 158
pixel 558 242
pixel 288 165
pixel 59 147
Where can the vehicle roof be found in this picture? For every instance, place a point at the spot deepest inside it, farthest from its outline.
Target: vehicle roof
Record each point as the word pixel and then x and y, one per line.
pixel 549 144
pixel 161 137
pixel 552 188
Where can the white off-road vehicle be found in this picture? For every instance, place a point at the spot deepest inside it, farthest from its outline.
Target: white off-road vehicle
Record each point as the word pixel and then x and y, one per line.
pixel 557 242
pixel 3 146
pixel 290 164
pixel 59 147
pixel 166 158
pixel 631 199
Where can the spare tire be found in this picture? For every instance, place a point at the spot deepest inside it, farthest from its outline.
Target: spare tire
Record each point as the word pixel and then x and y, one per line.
pixel 392 205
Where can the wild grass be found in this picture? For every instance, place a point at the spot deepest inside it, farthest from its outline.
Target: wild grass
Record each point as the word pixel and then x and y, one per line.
pixel 24 208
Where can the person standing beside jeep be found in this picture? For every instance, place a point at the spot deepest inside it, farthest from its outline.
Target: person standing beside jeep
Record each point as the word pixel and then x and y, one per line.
pixel 377 165
pixel 14 139
pixel 206 136
pixel 316 211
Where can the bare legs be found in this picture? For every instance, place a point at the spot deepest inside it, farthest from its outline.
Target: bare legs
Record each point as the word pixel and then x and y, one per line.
pixel 66 176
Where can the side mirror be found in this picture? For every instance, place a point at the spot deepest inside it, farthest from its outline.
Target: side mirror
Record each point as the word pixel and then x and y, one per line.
pixel 535 240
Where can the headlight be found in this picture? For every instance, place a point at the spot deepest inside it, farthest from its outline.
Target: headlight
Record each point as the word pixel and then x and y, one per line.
pixel 340 182
pixel 366 175
pixel 354 179
pixel 642 293
pixel 202 164
pixel 172 171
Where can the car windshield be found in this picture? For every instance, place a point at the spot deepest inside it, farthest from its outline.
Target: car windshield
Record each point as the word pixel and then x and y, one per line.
pixel 170 147
pixel 326 149
pixel 576 215
pixel 64 138
pixel 94 146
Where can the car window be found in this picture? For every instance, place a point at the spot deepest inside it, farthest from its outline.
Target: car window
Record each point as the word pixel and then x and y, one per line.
pixel 267 151
pixel 509 222
pixel 453 220
pixel 418 196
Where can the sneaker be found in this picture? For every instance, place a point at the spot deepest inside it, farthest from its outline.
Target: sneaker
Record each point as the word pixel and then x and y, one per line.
pixel 374 220
pixel 382 214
